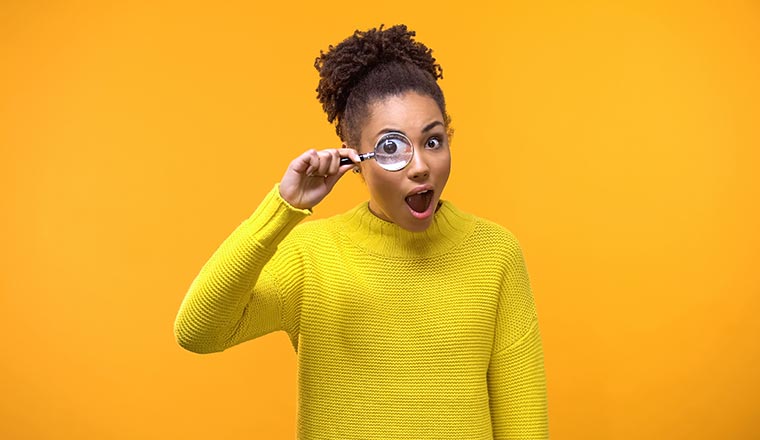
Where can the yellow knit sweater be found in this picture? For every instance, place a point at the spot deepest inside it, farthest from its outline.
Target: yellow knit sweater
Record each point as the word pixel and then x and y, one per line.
pixel 399 335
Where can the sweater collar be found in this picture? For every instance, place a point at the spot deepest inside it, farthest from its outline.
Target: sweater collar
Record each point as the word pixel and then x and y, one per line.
pixel 449 228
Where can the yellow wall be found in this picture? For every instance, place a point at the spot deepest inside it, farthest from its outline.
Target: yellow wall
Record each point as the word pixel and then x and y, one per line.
pixel 619 143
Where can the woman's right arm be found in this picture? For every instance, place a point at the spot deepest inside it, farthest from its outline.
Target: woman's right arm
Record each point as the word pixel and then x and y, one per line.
pixel 233 298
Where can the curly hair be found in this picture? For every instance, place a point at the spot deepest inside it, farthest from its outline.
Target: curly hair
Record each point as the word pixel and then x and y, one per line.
pixel 372 65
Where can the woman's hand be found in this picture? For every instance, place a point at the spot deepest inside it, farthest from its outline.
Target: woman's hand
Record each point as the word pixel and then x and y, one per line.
pixel 312 175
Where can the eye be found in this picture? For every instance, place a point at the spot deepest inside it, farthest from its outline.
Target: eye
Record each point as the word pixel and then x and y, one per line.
pixel 389 146
pixel 433 143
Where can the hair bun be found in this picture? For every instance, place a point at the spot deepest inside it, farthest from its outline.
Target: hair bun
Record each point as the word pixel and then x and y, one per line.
pixel 344 65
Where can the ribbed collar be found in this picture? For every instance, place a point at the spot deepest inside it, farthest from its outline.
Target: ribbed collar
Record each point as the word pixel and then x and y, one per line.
pixel 449 228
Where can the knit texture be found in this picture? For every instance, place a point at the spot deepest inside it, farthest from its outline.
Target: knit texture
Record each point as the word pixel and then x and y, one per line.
pixel 399 335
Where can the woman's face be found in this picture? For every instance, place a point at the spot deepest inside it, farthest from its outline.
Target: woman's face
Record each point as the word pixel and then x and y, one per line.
pixel 408 197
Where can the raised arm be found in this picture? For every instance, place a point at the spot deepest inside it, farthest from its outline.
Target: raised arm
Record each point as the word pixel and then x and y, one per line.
pixel 233 298
pixel 516 379
pixel 246 289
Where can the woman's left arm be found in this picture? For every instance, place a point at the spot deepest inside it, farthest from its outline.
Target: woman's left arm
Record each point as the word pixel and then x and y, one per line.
pixel 516 379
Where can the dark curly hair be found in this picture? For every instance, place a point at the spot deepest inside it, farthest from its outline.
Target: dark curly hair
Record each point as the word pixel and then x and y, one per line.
pixel 372 65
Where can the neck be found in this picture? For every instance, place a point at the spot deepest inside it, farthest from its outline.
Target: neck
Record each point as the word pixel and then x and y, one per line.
pixel 449 227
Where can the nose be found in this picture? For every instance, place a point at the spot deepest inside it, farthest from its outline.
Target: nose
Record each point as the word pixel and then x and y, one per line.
pixel 418 169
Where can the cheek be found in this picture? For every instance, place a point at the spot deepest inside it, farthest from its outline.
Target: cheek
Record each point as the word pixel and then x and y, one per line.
pixel 443 165
pixel 381 184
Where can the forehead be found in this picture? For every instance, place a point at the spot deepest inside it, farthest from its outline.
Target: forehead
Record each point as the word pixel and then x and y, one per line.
pixel 410 113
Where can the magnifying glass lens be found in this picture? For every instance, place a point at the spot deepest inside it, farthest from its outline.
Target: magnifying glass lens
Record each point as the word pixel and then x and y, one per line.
pixel 393 151
pixel 390 147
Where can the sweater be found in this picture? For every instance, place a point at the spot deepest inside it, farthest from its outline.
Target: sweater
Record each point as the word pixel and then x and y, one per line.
pixel 399 334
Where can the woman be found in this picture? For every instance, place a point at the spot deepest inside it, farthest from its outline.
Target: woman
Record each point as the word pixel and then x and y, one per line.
pixel 411 319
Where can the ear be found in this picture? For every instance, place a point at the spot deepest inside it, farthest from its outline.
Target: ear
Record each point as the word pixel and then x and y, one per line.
pixel 357 169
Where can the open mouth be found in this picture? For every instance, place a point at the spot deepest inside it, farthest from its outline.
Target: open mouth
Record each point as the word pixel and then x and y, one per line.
pixel 420 202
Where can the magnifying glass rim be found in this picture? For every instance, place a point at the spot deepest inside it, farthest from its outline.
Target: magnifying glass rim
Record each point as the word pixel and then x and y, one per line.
pixel 397 134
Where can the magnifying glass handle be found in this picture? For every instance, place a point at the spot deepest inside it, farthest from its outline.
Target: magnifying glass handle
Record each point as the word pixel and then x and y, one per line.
pixel 362 158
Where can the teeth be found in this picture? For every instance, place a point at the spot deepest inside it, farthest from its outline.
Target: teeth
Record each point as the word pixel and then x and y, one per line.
pixel 423 192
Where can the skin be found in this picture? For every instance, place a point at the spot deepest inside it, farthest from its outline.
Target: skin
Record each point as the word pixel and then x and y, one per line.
pixel 420 119
pixel 312 175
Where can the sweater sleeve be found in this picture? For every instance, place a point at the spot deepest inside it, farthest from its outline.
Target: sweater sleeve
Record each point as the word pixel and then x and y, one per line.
pixel 238 294
pixel 516 379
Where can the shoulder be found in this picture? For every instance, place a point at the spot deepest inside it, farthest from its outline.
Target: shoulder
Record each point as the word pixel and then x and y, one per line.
pixel 495 238
pixel 310 229
pixel 488 229
pixel 314 232
pixel 493 230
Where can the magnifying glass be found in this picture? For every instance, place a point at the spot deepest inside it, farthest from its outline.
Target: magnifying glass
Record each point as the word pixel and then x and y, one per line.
pixel 393 152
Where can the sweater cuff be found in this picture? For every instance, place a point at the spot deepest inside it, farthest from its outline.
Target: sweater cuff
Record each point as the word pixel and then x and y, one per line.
pixel 274 219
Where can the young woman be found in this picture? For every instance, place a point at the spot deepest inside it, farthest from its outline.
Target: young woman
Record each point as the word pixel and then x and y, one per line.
pixel 411 319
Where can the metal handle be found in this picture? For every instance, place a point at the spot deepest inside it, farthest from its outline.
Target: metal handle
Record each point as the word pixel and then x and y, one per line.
pixel 362 158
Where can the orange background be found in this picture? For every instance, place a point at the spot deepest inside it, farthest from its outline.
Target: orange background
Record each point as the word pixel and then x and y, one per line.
pixel 618 142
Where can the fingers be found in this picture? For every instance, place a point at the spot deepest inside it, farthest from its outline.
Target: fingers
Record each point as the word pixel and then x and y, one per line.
pixel 324 163
pixel 349 153
pixel 332 179
pixel 303 163
pixel 326 158
pixel 312 175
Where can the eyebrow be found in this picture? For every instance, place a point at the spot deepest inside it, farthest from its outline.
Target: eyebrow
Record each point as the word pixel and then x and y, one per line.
pixel 425 129
pixel 432 125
